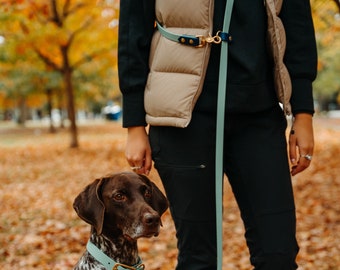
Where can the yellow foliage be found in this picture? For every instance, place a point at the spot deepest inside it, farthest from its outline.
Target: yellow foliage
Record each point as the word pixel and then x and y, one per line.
pixel 39 35
pixel 35 100
pixel 82 24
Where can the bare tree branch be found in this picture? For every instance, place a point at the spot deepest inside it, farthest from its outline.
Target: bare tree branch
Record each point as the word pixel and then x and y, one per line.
pixel 89 57
pixel 77 31
pixel 68 11
pixel 55 15
pixel 66 7
pixel 47 60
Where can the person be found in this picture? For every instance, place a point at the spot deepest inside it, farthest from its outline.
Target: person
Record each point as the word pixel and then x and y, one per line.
pixel 256 161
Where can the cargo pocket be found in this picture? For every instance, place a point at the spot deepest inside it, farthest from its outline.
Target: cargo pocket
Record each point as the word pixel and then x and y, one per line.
pixel 190 190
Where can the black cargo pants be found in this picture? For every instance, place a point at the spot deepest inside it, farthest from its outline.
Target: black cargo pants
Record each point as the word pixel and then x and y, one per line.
pixel 255 161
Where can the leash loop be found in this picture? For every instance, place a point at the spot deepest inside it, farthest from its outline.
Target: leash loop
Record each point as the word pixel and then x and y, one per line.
pixel 197 41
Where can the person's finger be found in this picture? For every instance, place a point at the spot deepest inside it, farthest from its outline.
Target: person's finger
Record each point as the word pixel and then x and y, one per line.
pixel 303 163
pixel 147 163
pixel 292 147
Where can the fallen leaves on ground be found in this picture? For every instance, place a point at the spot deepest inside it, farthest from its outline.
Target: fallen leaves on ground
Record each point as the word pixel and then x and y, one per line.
pixel 40 177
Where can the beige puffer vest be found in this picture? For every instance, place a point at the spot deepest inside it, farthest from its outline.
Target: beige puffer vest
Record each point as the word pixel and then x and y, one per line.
pixel 277 43
pixel 177 71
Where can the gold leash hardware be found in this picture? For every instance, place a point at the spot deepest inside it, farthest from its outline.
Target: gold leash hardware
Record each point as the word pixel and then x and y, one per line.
pixel 209 39
pixel 138 267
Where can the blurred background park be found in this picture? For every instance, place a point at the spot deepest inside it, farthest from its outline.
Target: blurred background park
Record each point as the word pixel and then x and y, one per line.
pixel 60 113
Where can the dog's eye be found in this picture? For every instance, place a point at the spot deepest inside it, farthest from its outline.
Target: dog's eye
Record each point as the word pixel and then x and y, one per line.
pixel 147 194
pixel 119 197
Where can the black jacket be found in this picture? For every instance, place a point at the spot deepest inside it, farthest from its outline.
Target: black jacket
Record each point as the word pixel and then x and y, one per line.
pixel 250 78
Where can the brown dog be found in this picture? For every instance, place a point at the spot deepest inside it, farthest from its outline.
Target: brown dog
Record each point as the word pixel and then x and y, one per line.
pixel 121 208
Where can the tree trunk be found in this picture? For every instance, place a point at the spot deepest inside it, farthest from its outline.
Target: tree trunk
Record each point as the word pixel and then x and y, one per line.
pixel 49 109
pixel 67 73
pixel 61 107
pixel 337 2
pixel 22 111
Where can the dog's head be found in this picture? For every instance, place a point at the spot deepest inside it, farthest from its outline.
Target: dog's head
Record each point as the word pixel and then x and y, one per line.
pixel 127 203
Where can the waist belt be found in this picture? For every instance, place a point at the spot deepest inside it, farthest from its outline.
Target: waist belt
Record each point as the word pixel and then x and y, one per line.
pixel 195 41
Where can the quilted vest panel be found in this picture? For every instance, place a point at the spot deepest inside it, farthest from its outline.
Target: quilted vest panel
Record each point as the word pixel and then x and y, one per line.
pixel 177 71
pixel 277 40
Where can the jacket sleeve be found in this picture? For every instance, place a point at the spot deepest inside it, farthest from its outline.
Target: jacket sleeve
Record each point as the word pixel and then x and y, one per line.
pixel 136 26
pixel 301 54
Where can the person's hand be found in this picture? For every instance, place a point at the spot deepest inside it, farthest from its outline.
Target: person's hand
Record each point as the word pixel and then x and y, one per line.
pixel 301 142
pixel 138 150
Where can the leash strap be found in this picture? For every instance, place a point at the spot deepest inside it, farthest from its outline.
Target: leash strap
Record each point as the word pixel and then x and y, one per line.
pixel 198 41
pixel 221 99
pixel 195 41
pixel 184 39
pixel 109 263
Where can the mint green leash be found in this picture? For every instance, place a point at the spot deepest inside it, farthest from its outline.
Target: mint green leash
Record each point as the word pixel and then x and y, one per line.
pixel 224 38
pixel 222 86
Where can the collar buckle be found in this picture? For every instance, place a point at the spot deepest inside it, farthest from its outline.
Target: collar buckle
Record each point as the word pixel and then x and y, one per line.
pixel 135 267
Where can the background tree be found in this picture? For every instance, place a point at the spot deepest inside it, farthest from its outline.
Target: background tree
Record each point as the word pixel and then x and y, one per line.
pixel 20 76
pixel 66 35
pixel 326 16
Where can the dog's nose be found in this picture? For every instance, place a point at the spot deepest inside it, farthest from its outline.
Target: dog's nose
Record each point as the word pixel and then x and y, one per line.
pixel 151 219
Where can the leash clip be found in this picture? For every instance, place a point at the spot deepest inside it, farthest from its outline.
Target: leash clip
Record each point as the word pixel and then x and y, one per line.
pixel 209 39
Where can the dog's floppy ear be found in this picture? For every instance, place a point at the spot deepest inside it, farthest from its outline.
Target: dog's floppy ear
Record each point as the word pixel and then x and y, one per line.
pixel 159 201
pixel 89 205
